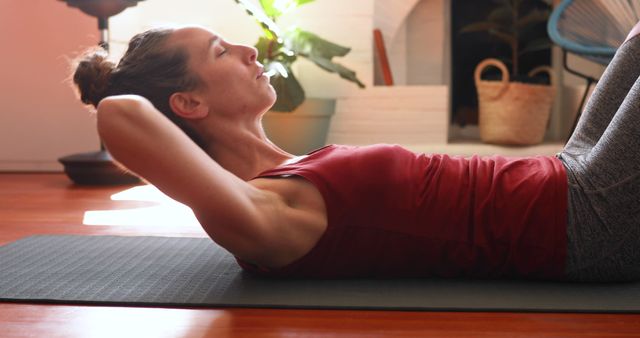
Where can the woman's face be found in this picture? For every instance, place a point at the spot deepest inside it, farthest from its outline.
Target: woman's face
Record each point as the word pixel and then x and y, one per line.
pixel 233 82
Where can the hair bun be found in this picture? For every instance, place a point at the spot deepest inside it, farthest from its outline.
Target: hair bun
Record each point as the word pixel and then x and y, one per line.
pixel 92 75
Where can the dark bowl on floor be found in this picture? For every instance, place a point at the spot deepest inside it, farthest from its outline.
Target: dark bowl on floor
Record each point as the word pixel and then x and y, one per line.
pixel 95 168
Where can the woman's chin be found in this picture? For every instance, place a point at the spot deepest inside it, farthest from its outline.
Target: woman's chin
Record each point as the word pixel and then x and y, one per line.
pixel 273 97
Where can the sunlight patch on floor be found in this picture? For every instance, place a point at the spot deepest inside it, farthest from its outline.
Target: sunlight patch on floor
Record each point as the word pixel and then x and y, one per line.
pixel 99 322
pixel 166 212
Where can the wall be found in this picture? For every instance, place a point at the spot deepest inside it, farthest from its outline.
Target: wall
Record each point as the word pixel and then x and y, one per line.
pixel 342 22
pixel 40 117
pixel 416 38
pixel 427 37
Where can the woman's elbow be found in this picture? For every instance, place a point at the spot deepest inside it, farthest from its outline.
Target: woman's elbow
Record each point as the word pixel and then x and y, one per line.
pixel 115 113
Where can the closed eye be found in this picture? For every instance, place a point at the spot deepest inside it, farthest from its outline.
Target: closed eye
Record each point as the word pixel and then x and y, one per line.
pixel 218 47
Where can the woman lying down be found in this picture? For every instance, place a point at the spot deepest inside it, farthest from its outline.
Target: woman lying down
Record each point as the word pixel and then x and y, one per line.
pixel 183 109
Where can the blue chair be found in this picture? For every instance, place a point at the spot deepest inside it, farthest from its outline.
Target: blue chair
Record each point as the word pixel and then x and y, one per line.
pixel 592 29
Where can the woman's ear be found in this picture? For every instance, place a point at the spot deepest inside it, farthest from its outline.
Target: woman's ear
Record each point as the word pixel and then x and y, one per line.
pixel 188 105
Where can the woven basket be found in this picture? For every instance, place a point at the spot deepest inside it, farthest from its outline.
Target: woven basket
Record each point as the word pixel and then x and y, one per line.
pixel 513 113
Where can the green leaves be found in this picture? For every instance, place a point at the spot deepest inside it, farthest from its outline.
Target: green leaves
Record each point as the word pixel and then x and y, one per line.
pixel 269 26
pixel 502 16
pixel 321 52
pixel 290 92
pixel 536 45
pixel 481 26
pixel 508 24
pixel 532 18
pixel 343 71
pixel 270 50
pixel 278 50
pixel 276 8
pixel 306 43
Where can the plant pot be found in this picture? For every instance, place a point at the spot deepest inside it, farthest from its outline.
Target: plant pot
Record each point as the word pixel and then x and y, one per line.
pixel 302 130
pixel 512 113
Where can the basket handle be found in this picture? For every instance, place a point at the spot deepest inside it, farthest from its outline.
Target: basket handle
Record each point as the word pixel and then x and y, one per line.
pixel 546 69
pixel 498 64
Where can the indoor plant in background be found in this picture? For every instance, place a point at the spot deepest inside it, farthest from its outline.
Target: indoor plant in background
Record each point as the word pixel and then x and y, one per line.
pixel 295 123
pixel 516 109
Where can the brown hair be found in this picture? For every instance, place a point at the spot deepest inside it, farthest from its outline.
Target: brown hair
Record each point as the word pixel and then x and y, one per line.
pixel 148 68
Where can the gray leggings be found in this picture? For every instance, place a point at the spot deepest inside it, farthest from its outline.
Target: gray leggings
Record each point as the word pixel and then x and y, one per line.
pixel 603 167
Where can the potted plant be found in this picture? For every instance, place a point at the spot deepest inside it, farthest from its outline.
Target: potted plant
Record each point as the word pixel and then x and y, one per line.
pixel 278 50
pixel 516 109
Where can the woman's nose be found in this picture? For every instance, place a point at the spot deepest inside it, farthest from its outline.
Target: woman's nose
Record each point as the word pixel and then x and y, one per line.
pixel 252 54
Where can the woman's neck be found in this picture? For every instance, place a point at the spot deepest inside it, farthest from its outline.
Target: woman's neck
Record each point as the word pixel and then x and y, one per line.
pixel 246 151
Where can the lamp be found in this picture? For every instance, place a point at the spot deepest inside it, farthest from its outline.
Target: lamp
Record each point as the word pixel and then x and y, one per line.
pixel 98 168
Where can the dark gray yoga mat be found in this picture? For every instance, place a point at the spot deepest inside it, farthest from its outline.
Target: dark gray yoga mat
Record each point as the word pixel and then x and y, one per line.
pixel 163 271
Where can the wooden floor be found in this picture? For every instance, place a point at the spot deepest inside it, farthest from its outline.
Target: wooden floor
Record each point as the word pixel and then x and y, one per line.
pixel 49 204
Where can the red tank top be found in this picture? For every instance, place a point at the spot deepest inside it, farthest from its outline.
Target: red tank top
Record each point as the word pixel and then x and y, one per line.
pixel 394 213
